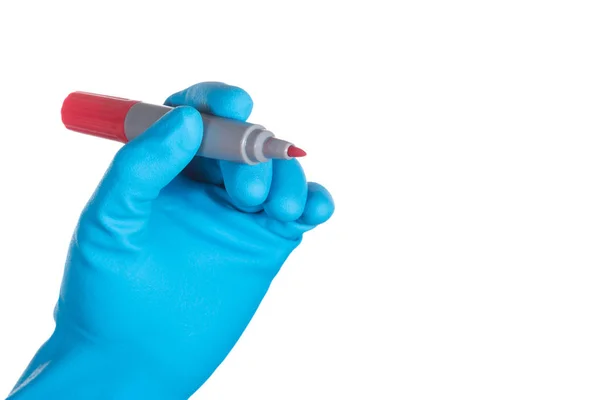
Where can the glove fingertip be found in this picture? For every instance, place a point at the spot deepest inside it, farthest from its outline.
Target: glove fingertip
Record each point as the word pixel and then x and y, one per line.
pixel 319 205
pixel 215 98
pixel 285 209
pixel 248 185
pixel 230 102
pixel 187 127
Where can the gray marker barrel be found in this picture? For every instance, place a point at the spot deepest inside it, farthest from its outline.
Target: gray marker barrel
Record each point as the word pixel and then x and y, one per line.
pixel 123 120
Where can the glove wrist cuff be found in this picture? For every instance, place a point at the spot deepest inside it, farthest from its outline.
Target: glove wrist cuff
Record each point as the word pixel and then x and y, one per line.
pixel 69 369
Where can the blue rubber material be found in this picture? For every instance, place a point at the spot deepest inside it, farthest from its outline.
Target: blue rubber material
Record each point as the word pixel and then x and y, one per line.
pixel 170 260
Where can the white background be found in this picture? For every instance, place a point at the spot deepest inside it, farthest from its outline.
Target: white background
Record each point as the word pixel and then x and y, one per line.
pixel 460 140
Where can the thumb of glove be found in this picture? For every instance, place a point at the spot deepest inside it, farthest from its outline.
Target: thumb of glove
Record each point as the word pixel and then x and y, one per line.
pixel 121 206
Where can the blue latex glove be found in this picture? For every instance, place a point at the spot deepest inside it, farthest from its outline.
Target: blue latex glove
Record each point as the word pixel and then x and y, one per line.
pixel 170 260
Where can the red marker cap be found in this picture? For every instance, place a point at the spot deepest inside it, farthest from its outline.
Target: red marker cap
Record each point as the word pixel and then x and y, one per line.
pixel 97 115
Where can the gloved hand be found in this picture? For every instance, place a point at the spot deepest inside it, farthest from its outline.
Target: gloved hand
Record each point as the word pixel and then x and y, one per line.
pixel 170 260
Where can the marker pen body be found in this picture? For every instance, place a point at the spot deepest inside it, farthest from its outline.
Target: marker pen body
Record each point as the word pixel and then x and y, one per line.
pixel 123 120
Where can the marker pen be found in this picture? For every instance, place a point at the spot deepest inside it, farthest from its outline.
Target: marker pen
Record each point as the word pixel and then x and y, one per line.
pixel 123 120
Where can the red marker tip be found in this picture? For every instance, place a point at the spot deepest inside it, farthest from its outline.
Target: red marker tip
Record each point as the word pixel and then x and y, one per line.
pixel 294 151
